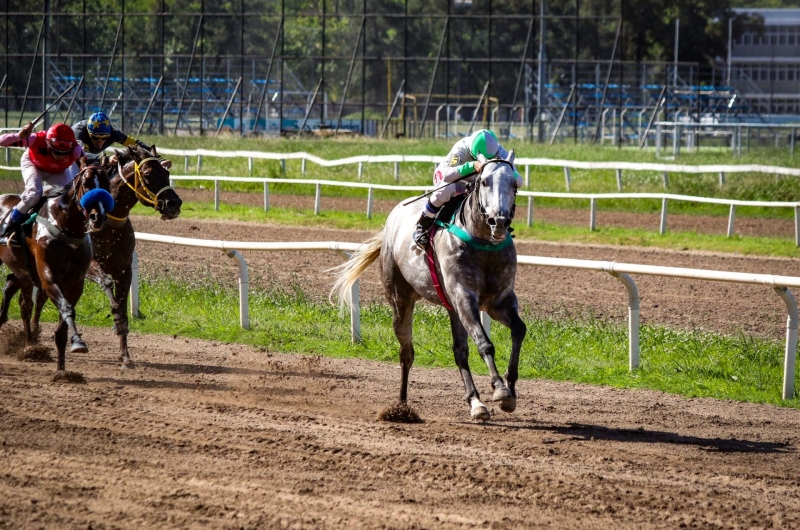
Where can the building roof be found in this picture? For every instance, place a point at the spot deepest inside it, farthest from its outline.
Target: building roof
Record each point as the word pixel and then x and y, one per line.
pixel 774 16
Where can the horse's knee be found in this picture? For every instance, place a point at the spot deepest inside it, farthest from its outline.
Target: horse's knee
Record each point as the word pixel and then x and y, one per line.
pixel 121 327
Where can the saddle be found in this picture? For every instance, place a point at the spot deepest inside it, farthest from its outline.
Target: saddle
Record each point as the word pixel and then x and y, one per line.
pixel 18 238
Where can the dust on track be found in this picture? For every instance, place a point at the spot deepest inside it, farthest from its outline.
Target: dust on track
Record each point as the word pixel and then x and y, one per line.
pixel 210 435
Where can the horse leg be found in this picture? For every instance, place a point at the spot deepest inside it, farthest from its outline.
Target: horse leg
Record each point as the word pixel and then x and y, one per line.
pixel 10 289
pixel 402 322
pixel 67 312
pixel 119 308
pixel 469 313
pixel 506 312
pixel 61 344
pixel 478 410
pixel 41 300
pixel 25 307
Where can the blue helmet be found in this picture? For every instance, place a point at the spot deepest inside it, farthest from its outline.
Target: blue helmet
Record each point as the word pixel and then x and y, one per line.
pixel 99 125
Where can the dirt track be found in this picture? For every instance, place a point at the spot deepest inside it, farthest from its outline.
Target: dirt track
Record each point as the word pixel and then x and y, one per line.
pixel 209 435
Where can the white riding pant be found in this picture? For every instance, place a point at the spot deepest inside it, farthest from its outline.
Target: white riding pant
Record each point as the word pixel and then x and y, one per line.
pixel 440 197
pixel 37 180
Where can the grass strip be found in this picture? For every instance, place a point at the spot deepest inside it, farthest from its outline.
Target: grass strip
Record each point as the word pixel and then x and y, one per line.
pixel 284 319
pixel 541 231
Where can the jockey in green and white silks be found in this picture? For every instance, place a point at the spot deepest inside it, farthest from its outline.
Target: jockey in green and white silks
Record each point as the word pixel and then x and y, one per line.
pixel 461 161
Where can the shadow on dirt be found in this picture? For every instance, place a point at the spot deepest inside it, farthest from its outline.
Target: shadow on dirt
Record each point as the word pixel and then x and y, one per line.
pixel 579 431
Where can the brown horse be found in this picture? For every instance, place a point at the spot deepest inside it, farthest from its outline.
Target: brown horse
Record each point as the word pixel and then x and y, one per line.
pixel 139 177
pixel 56 255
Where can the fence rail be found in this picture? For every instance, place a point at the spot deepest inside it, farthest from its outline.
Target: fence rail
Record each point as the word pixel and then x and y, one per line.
pixel 621 271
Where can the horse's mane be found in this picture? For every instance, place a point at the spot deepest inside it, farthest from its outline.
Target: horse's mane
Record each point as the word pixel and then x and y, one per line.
pixel 133 153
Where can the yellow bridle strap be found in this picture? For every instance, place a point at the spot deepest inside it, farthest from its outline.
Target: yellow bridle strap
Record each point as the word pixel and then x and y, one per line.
pixel 150 197
pixel 116 218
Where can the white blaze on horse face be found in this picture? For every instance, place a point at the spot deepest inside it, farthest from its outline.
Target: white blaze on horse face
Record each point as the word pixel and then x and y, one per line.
pixel 497 191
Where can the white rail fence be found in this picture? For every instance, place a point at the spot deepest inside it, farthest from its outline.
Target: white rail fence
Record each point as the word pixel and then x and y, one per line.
pixel 621 271
pixel 593 198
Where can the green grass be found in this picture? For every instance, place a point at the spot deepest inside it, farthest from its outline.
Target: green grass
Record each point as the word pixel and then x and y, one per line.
pixel 284 319
pixel 757 246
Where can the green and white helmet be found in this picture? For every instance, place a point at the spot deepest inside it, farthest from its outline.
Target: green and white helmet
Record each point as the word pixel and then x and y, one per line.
pixel 484 142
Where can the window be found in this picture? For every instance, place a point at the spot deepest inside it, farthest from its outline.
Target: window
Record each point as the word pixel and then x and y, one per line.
pixel 781 75
pixel 783 40
pixel 774 40
pixel 791 40
pixel 746 39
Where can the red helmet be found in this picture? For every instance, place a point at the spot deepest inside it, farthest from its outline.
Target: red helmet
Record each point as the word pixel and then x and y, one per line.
pixel 61 139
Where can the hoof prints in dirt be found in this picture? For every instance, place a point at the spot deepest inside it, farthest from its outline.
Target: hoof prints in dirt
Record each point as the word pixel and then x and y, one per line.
pixel 400 413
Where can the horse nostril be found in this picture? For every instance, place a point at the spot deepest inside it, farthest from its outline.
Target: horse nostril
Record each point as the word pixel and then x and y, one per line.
pixel 93 217
pixel 507 223
pixel 492 221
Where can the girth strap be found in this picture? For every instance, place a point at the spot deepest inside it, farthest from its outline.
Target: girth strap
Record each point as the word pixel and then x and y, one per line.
pixel 434 276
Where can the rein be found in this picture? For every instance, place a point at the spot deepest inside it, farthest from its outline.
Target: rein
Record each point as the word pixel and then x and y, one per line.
pixel 138 181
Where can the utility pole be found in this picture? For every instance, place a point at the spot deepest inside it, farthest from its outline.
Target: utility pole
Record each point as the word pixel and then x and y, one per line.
pixel 730 43
pixel 540 94
pixel 675 54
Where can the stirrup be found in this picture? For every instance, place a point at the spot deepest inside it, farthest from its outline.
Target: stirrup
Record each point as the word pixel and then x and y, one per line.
pixel 10 240
pixel 422 238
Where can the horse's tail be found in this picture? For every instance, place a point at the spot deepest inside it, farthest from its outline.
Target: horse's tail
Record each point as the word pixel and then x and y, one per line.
pixel 349 272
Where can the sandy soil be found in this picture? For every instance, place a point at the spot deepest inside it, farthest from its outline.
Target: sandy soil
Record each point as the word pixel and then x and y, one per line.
pixel 209 435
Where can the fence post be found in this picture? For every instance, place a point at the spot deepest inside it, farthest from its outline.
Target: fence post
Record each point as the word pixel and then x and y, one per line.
pixel 244 286
pixel 250 166
pixel 567 178
pixel 721 178
pixel 397 171
pixel 619 180
pixel 790 355
pixel 633 318
pixel 134 290
pixel 592 213
pixel 199 163
pixel 317 197
pixel 791 143
pixel 530 213
pixel 731 218
pixel 303 167
pixel 216 195
pixel 676 141
pixel 370 196
pixel 266 196
pixel 797 225
pixel 658 140
pixel 527 177
pixel 355 313
pixel 666 179
pixel 186 165
pixel 662 229
pixel 283 166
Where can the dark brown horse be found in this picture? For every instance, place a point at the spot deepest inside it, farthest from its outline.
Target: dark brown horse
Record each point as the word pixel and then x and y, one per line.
pixel 55 256
pixel 139 177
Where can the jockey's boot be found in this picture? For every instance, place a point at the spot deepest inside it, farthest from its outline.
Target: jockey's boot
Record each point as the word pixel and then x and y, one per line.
pixel 422 233
pixel 11 224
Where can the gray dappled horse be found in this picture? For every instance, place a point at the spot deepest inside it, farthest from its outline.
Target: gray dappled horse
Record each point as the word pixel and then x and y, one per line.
pixel 474 278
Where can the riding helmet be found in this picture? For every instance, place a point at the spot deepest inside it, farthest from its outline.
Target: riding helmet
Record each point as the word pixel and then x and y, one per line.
pixel 99 125
pixel 60 138
pixel 485 143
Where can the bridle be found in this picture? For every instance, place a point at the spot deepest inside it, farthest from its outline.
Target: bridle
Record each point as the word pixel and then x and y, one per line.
pixel 139 181
pixel 479 181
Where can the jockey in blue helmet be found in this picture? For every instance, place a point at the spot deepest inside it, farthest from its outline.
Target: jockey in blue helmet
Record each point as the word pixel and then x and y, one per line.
pixel 96 134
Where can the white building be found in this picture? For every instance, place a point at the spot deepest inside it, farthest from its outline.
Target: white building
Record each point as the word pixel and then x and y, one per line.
pixel 765 68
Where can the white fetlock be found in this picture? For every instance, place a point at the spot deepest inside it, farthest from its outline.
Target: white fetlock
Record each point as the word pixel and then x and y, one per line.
pixel 479 410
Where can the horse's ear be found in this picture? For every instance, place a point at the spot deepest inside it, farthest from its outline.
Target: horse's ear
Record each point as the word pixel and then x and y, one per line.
pixel 103 160
pixel 511 156
pixel 131 153
pixel 82 162
pixel 153 150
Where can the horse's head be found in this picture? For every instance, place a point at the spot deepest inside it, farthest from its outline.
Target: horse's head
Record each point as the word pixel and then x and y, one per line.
pixel 91 190
pixel 496 191
pixel 150 180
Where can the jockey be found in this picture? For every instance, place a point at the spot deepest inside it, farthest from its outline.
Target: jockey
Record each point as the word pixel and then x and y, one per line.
pixel 96 134
pixel 48 159
pixel 460 162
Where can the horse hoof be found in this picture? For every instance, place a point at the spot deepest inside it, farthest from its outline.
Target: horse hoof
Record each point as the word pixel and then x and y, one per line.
pixel 127 364
pixel 502 394
pixel 480 413
pixel 78 346
pixel 508 405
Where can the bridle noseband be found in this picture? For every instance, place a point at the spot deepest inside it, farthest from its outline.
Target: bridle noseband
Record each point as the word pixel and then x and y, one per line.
pixel 139 181
pixel 479 180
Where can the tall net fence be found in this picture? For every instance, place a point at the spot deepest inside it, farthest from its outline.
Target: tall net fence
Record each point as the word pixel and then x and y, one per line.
pixel 392 68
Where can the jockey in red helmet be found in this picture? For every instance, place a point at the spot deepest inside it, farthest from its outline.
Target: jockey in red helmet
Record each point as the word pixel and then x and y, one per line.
pixel 48 160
